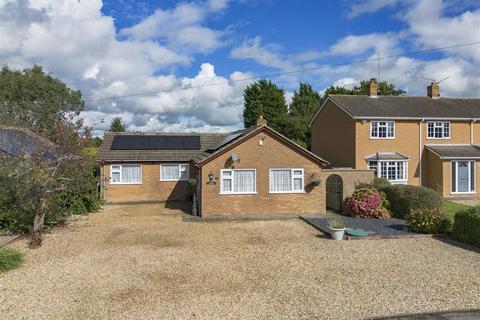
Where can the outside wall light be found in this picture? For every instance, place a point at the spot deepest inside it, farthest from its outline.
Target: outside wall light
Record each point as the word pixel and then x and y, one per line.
pixel 211 178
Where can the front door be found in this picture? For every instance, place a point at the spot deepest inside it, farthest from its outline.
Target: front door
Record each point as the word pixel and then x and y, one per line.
pixel 463 185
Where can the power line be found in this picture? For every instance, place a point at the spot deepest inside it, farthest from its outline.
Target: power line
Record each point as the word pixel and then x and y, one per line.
pixel 272 75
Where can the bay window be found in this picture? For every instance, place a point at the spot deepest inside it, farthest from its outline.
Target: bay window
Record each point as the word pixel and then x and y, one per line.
pixel 238 181
pixel 125 174
pixel 382 130
pixel 174 172
pixel 438 130
pixel 393 170
pixel 463 176
pixel 286 180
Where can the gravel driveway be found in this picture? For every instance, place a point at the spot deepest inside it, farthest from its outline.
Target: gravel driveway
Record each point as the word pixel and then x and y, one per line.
pixel 142 262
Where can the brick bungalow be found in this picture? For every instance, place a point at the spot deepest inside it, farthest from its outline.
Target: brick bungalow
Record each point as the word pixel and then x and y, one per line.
pixel 255 171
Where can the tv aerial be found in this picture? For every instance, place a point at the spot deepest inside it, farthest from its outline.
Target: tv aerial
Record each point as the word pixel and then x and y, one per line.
pixel 435 81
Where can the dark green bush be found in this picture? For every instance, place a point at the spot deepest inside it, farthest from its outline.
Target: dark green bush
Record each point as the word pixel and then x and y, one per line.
pixel 428 221
pixel 380 183
pixel 18 206
pixel 404 198
pixel 466 227
pixel 9 259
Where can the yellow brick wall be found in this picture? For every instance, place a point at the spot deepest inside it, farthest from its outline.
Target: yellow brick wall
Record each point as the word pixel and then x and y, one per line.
pixel 151 188
pixel 333 136
pixel 272 154
pixel 406 142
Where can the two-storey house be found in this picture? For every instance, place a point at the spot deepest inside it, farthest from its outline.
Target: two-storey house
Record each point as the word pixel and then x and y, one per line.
pixel 426 141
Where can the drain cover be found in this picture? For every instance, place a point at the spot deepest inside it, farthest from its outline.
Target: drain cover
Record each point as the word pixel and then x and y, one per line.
pixel 356 232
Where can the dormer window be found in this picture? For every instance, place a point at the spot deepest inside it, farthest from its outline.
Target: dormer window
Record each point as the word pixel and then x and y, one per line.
pixel 382 130
pixel 438 130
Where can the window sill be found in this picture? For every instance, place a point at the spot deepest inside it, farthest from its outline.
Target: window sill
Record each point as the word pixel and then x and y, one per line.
pixel 124 183
pixel 286 192
pixel 398 181
pixel 236 193
pixel 164 180
pixel 438 138
pixel 373 138
pixel 471 192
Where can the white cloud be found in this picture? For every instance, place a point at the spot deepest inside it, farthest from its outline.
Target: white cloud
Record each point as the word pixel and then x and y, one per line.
pixel 80 45
pixel 369 6
pixel 386 43
pixel 431 28
pixel 181 27
pixel 264 55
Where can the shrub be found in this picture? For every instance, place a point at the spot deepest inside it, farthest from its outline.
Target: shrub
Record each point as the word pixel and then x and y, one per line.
pixel 428 221
pixel 377 183
pixel 404 198
pixel 466 227
pixel 9 259
pixel 18 206
pixel 380 183
pixel 366 203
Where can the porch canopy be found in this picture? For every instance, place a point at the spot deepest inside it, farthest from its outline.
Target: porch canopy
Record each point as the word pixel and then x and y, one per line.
pixel 466 151
pixel 379 156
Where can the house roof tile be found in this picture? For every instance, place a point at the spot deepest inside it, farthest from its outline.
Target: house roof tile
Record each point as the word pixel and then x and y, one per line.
pixel 467 151
pixel 362 106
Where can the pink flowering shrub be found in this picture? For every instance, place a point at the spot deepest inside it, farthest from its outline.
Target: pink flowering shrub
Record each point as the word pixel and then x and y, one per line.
pixel 367 203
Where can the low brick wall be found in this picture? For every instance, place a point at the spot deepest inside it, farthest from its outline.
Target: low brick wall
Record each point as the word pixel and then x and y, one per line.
pixel 350 178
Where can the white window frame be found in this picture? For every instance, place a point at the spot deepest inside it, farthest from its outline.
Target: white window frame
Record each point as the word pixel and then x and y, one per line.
pixel 292 182
pixel 232 178
pixel 379 169
pixel 469 176
pixel 385 124
pixel 439 125
pixel 120 171
pixel 179 171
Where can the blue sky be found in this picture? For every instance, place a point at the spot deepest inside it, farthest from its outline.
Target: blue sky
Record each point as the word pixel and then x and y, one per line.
pixel 114 48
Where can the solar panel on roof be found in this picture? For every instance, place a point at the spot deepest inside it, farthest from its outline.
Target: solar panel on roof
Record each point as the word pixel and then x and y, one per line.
pixel 226 140
pixel 136 142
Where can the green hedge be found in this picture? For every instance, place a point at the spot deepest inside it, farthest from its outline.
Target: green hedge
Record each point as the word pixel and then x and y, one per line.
pixel 466 227
pixel 405 198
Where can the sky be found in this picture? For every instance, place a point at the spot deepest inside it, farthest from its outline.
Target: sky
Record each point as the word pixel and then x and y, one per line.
pixel 183 66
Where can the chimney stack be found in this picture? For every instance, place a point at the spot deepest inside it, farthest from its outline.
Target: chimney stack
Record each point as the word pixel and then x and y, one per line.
pixel 261 121
pixel 372 88
pixel 433 90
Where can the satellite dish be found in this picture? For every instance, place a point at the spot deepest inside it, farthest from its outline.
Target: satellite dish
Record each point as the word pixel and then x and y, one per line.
pixel 234 156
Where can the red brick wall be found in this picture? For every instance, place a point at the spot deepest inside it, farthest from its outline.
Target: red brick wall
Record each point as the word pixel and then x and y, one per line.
pixel 151 189
pixel 272 154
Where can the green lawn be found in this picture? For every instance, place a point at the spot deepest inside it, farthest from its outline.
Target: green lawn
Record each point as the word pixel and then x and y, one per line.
pixel 451 208
pixel 9 258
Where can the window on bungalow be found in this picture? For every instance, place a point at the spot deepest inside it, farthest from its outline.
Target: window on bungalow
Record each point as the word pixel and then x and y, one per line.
pixel 239 181
pixel 286 180
pixel 174 172
pixel 438 130
pixel 382 129
pixel 125 174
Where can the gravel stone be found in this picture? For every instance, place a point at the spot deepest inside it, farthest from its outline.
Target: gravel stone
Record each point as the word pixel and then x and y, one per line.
pixel 143 262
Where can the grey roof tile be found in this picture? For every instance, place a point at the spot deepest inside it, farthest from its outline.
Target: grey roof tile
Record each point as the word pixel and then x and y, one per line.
pixel 408 107
pixel 467 151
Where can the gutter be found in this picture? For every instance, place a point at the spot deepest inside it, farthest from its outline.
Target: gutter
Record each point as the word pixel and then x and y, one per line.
pixel 471 130
pixel 420 149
